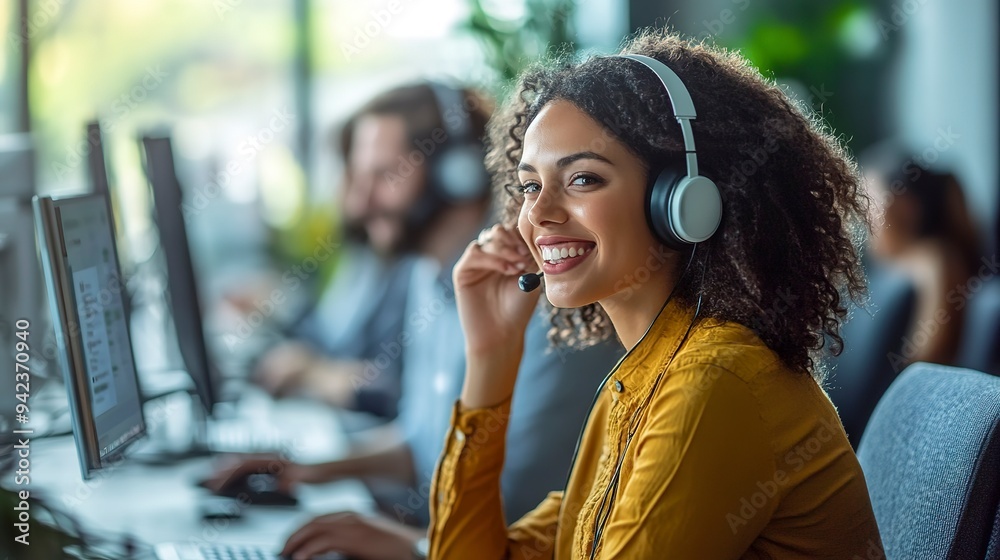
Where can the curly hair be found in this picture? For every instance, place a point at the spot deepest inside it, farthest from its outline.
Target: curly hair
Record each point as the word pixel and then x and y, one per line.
pixel 785 260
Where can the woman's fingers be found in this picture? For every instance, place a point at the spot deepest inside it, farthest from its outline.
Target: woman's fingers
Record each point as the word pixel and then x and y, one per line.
pixel 507 244
pixel 509 237
pixel 512 256
pixel 477 260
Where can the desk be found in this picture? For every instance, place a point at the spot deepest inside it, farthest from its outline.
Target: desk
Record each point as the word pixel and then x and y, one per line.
pixel 160 503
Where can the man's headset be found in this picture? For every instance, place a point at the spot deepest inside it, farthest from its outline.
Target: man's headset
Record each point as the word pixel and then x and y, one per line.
pixel 682 207
pixel 455 169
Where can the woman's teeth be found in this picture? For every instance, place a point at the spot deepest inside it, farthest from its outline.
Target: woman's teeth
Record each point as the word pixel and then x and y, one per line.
pixel 557 254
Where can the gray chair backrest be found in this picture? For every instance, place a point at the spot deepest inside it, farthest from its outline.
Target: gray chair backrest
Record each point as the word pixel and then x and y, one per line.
pixel 931 457
pixel 862 373
pixel 980 348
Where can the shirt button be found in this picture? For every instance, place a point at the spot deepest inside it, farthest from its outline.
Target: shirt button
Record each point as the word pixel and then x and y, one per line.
pixel 459 435
pixel 619 386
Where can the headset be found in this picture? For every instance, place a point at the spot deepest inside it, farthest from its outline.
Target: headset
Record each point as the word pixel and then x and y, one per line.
pixel 683 208
pixel 456 170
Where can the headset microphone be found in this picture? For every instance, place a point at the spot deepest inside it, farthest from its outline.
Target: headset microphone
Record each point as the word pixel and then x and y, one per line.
pixel 529 282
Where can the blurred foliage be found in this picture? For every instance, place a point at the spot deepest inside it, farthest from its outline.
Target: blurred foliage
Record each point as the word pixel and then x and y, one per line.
pixel 831 55
pixel 515 39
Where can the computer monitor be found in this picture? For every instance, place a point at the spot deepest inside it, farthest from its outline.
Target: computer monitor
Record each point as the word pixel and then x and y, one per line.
pixel 97 171
pixel 94 348
pixel 182 287
pixel 97 176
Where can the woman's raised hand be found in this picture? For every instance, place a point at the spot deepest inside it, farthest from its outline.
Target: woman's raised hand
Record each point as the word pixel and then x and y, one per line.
pixel 494 312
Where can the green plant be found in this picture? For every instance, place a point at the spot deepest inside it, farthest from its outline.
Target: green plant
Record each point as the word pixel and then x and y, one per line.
pixel 525 34
pixel 831 51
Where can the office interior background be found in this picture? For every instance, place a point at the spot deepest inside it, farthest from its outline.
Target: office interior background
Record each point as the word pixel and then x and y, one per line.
pixel 251 92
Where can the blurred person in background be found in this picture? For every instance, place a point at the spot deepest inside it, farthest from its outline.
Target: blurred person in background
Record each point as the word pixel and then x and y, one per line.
pixel 341 351
pixel 436 171
pixel 922 229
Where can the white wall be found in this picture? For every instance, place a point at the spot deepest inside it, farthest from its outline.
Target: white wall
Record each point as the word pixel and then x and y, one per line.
pixel 947 79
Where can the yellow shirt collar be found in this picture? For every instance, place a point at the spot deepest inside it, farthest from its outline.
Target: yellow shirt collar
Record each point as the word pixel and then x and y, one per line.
pixel 638 369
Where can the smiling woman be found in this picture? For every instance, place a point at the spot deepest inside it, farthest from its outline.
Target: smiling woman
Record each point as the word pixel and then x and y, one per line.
pixel 595 201
pixel 712 437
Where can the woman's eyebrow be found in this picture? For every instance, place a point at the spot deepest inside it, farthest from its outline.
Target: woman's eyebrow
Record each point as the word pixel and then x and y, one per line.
pixel 564 161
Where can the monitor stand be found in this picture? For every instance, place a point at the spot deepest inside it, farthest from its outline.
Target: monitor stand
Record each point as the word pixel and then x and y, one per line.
pixel 164 448
pixel 180 430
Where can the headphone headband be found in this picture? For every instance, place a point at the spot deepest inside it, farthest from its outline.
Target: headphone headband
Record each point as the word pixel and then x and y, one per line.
pixel 456 169
pixel 450 99
pixel 680 209
pixel 680 102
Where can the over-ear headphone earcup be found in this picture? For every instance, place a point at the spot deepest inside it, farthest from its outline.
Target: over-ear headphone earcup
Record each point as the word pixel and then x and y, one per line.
pixel 658 196
pixel 459 174
pixel 695 209
pixel 683 210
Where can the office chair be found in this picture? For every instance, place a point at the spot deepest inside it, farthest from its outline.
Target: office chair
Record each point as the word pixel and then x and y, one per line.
pixel 980 348
pixel 931 457
pixel 863 372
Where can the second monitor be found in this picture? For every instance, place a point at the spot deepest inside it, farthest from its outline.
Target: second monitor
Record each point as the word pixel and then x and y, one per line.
pixel 185 304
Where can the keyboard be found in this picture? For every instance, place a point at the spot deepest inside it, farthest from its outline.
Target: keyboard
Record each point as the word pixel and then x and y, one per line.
pixel 223 552
pixel 232 437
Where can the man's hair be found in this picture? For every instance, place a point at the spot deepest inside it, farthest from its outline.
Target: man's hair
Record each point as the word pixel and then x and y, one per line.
pixel 417 105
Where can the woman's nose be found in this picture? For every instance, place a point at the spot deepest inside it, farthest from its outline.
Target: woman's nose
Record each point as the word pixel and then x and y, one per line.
pixel 547 207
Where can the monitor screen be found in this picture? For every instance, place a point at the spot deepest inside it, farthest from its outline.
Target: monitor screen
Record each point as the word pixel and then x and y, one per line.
pixel 83 281
pixel 182 287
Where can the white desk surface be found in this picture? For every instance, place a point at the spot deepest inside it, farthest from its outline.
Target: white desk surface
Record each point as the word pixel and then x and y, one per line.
pixel 160 503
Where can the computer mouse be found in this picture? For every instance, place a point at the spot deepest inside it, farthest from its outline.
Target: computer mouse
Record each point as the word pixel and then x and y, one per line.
pixel 219 507
pixel 257 490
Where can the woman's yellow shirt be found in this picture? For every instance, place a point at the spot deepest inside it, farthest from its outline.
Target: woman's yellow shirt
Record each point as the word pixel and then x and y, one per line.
pixel 731 456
